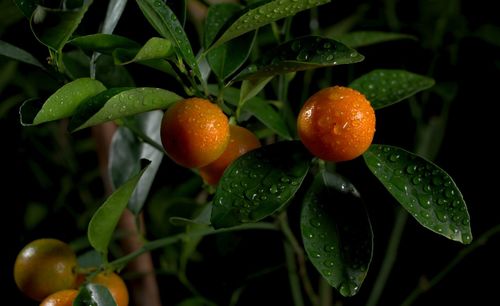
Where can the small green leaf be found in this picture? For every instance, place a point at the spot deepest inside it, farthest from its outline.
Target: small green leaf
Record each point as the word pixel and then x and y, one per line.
pixel 125 103
pixel 299 54
pixel 103 43
pixel 336 232
pixel 259 183
pixel 18 54
pixel 366 38
pixel 127 151
pixel 62 103
pixel 94 295
pixel 227 58
pixel 426 191
pixel 164 21
pixel 384 87
pixel 26 6
pixel 251 88
pixel 261 15
pixel 56 26
pixel 105 219
pixel 154 48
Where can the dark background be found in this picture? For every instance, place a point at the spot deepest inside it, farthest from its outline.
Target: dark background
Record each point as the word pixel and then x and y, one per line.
pixel 51 183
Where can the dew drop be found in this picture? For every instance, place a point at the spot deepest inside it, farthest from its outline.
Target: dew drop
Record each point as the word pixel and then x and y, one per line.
pixel 315 222
pixel 394 157
pixel 425 201
pixel 449 193
pixel 411 169
pixel 329 263
pixel 437 181
pixel 416 180
pixel 273 189
pixel 329 248
pixel 329 57
pixel 441 216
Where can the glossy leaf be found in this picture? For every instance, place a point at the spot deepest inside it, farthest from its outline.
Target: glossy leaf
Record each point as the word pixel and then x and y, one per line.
pixel 261 15
pixel 57 26
pixel 426 191
pixel 113 15
pixel 259 183
pixel 179 7
pixel 18 54
pixel 164 21
pixel 154 48
pixel 336 232
pixel 94 295
pixel 298 54
pixel 366 38
pixel 125 103
pixel 26 6
pixel 103 43
pixel 60 104
pixel 227 58
pixel 127 151
pixel 384 87
pixel 104 221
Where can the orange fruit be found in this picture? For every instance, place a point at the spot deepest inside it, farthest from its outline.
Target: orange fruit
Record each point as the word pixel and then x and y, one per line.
pixel 194 132
pixel 45 266
pixel 241 141
pixel 60 298
pixel 115 285
pixel 336 124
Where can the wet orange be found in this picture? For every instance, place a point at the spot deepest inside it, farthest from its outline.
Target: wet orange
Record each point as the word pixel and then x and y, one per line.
pixel 336 124
pixel 60 298
pixel 115 285
pixel 194 132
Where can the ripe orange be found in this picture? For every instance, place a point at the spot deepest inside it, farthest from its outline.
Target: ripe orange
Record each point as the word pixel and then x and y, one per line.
pixel 194 132
pixel 115 285
pixel 60 298
pixel 336 124
pixel 45 266
pixel 241 141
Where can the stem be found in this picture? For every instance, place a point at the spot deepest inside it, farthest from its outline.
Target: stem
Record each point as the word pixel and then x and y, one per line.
pixel 152 245
pixel 141 135
pixel 293 276
pixel 390 257
pixel 482 240
pixel 325 293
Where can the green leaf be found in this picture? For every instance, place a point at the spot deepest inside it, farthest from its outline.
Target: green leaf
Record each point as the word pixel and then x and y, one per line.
pixel 299 54
pixel 103 43
pixel 26 6
pixel 164 21
pixel 18 54
pixel 366 38
pixel 384 87
pixel 336 232
pixel 105 219
pixel 261 15
pixel 179 7
pixel 227 58
pixel 127 151
pixel 62 103
pixel 259 183
pixel 251 88
pixel 56 26
pixel 94 295
pixel 426 191
pixel 154 48
pixel 125 103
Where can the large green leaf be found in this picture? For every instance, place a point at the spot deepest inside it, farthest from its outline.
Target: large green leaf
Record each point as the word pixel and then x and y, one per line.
pixel 426 191
pixel 94 295
pixel 336 232
pixel 104 221
pixel 366 38
pixel 298 54
pixel 127 151
pixel 384 87
pixel 259 183
pixel 125 103
pixel 261 15
pixel 60 104
pixel 164 21
pixel 227 58
pixel 103 43
pixel 18 54
pixel 56 26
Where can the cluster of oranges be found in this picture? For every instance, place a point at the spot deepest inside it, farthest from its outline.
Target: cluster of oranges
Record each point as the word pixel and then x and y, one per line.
pixel 46 270
pixel 335 124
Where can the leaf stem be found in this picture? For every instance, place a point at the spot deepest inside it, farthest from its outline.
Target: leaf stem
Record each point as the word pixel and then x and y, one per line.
pixel 293 276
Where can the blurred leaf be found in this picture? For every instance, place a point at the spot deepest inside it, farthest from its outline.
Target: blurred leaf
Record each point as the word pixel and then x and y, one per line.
pixel 203 217
pixel 384 87
pixel 26 6
pixel 104 43
pixel 489 33
pixel 113 15
pixel 60 104
pixel 34 214
pixel 299 54
pixel 259 183
pixel 125 103
pixel 94 295
pixel 103 222
pixel 112 75
pixel 154 48
pixel 264 14
pixel 366 38
pixel 16 53
pixel 251 88
pixel 227 58
pixel 196 301
pixel 426 191
pixel 127 151
pixel 164 21
pixel 336 232
pixel 56 26
pixel 90 259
